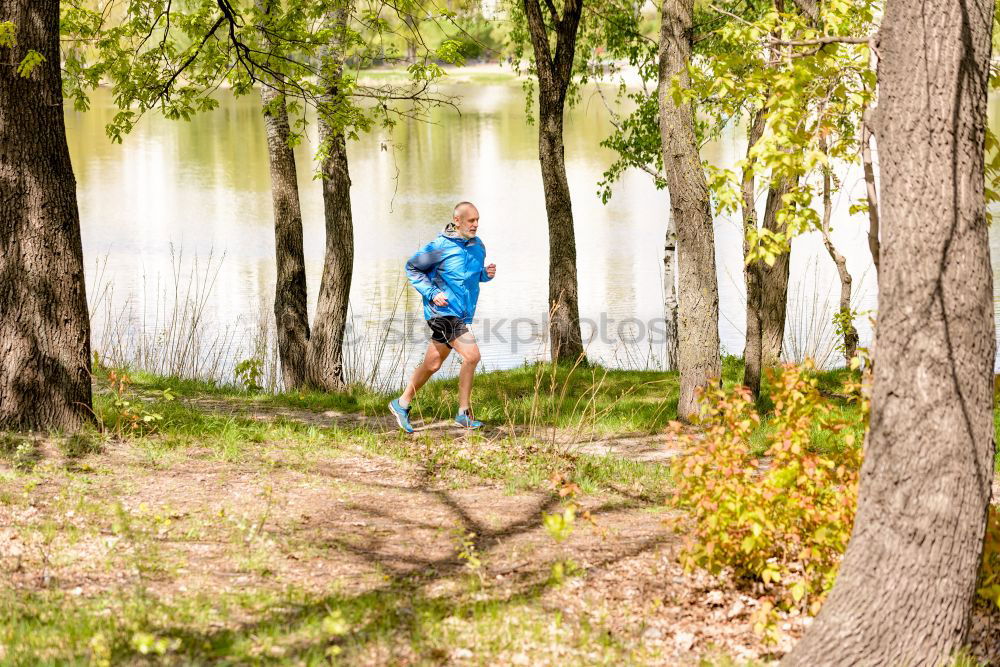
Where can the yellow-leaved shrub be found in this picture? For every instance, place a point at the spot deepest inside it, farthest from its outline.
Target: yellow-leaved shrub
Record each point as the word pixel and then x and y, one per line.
pixel 989 570
pixel 782 519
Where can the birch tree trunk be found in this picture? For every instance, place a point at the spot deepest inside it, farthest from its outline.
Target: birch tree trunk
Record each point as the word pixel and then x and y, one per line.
pixel 670 294
pixel 44 324
pixel 698 295
pixel 869 170
pixel 906 585
pixel 850 333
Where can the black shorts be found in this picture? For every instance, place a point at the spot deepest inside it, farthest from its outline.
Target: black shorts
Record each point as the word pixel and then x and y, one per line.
pixel 446 329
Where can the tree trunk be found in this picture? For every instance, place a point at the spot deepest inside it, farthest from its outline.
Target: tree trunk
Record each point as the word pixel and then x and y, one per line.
pixel 907 581
pixel 670 294
pixel 773 285
pixel 324 355
pixel 44 324
pixel 698 302
pixel 564 311
pixel 554 75
pixel 767 298
pixel 290 299
pixel 751 271
pixel 869 169
pixel 291 314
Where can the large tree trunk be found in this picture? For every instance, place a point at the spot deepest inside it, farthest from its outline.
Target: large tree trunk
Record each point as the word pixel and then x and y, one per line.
pixel 698 307
pixel 554 75
pixel 907 581
pixel 324 355
pixel 44 325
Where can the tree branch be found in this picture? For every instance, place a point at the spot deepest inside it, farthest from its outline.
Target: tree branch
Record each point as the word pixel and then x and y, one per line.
pixel 539 37
pixel 552 10
pixel 165 91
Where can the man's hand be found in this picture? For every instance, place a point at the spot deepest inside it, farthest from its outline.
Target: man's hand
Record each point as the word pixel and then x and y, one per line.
pixel 440 300
pixel 491 270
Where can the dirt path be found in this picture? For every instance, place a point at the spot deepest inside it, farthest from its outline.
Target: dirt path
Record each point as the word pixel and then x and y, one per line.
pixel 353 529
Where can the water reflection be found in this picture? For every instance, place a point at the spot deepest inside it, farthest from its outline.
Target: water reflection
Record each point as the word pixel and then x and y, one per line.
pixel 204 185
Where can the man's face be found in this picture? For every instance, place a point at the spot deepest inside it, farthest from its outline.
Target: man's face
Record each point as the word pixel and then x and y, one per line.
pixel 467 221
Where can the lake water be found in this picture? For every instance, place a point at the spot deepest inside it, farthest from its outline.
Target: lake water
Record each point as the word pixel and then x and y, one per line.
pixel 184 206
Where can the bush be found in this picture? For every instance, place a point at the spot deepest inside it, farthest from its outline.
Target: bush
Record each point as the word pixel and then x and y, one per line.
pixel 989 570
pixel 783 520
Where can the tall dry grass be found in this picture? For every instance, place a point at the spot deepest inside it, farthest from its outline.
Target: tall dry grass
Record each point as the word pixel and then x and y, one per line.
pixel 166 327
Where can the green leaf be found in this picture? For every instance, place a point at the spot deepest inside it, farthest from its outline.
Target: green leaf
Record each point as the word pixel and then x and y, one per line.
pixel 31 60
pixel 8 33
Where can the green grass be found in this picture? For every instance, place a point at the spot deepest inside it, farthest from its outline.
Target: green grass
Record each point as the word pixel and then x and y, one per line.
pixel 517 462
pixel 394 624
pixel 596 400
pixel 604 400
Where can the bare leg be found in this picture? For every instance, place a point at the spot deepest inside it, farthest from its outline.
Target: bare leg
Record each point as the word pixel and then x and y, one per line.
pixel 433 358
pixel 466 346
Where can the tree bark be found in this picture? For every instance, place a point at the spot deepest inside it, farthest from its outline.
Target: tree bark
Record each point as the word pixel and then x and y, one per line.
pixel 907 581
pixel 869 169
pixel 291 314
pixel 767 299
pixel 44 324
pixel 751 271
pixel 774 285
pixel 850 343
pixel 324 355
pixel 698 297
pixel 554 75
pixel 670 294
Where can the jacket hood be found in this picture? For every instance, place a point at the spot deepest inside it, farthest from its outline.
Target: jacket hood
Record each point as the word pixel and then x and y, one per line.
pixel 450 231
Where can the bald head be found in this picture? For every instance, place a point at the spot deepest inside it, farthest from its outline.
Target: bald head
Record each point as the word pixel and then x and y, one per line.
pixel 466 218
pixel 462 207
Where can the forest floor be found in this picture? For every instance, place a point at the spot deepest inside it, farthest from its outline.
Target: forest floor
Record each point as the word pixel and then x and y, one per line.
pixel 306 528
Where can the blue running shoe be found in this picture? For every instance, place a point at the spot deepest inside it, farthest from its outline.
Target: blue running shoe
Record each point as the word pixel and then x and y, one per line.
pixel 465 420
pixel 401 414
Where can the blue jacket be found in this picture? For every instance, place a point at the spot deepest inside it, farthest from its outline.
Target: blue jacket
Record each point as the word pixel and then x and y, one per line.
pixel 453 265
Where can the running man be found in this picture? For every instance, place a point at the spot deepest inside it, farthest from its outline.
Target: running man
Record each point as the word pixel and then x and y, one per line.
pixel 447 272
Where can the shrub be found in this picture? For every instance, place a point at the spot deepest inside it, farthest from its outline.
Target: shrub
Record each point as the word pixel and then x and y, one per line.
pixel 250 373
pixel 128 414
pixel 989 570
pixel 783 520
